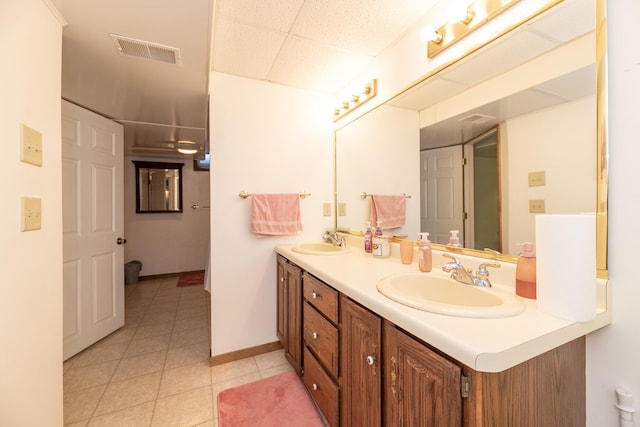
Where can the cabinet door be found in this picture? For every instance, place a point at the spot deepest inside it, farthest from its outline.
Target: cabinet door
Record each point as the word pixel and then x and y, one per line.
pixel 421 387
pixel 289 326
pixel 361 377
pixel 280 285
pixel 293 316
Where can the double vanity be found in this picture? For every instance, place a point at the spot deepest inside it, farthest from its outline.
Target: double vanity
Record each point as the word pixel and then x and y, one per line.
pixel 377 342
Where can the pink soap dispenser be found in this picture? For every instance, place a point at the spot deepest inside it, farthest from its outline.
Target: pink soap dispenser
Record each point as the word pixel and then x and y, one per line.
pixel 368 239
pixel 526 272
pixel 378 228
pixel 424 253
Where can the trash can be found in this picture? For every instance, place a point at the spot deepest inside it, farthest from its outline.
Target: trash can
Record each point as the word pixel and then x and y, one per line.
pixel 132 272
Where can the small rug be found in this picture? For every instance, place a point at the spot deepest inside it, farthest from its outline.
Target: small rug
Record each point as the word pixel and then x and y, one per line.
pixel 191 279
pixel 276 401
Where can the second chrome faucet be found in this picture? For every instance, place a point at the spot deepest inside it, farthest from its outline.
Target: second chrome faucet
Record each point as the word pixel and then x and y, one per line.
pixel 462 275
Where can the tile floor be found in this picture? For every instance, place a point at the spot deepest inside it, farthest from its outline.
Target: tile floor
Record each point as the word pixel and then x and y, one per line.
pixel 154 371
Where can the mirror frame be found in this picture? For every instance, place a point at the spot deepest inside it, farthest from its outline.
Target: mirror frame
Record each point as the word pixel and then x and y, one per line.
pixel 158 165
pixel 602 154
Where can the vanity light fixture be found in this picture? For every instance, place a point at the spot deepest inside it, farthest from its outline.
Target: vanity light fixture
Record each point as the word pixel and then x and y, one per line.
pixel 357 99
pixel 187 147
pixel 465 21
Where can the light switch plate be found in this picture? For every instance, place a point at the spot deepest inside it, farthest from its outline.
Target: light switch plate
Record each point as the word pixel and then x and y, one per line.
pixel 31 214
pixel 536 206
pixel 30 145
pixel 537 179
pixel 326 209
pixel 342 209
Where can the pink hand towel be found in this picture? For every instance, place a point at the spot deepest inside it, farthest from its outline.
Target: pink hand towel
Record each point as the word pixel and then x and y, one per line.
pixel 391 210
pixel 275 214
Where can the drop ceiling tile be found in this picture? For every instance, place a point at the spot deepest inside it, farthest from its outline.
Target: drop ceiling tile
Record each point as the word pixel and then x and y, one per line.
pixel 430 93
pixel 244 50
pixel 277 15
pixel 499 57
pixel 306 64
pixel 362 25
pixel 566 21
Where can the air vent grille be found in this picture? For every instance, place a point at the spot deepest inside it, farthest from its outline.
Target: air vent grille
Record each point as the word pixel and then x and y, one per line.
pixel 146 50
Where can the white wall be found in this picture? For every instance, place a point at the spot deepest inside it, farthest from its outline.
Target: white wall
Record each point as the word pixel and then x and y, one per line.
pixel 613 354
pixel 265 138
pixel 168 242
pixel 30 262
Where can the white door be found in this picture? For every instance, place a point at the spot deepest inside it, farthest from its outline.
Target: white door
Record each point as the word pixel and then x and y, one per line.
pixel 441 189
pixel 93 224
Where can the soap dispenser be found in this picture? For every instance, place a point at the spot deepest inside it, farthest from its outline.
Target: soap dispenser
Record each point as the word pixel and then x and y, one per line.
pixel 424 253
pixel 454 240
pixel 526 272
pixel 368 237
pixel 378 228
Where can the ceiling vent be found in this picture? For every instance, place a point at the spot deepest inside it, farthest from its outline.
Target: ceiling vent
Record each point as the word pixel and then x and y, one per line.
pixel 146 50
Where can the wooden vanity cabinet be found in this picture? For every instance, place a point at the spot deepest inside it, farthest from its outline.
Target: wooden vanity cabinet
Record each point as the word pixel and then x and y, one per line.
pixel 289 303
pixel 362 370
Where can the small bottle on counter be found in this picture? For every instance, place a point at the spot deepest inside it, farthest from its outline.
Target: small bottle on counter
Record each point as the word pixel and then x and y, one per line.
pixel 424 253
pixel 368 239
pixel 378 228
pixel 526 272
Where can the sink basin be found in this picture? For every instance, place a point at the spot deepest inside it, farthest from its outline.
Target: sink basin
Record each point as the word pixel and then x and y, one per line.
pixel 443 295
pixel 319 249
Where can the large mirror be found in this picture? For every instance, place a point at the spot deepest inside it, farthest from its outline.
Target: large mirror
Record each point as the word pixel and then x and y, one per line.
pixel 158 187
pixel 525 114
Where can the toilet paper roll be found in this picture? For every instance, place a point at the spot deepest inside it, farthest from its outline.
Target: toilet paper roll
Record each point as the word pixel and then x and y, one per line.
pixel 566 266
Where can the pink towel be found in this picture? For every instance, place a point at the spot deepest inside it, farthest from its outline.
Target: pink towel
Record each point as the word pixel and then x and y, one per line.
pixel 275 214
pixel 391 210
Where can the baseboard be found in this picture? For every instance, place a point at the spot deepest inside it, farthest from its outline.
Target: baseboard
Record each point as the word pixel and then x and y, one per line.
pixel 244 353
pixel 168 275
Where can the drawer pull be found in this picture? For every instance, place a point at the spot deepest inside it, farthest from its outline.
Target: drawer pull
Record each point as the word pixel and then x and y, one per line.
pixel 314 295
pixel 371 360
pixel 315 335
pixel 315 386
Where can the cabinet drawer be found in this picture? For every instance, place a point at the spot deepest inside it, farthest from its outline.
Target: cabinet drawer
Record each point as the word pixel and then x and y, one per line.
pixel 321 296
pixel 322 337
pixel 321 387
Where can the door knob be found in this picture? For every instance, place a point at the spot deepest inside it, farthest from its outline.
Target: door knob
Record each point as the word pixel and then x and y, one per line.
pixel 121 241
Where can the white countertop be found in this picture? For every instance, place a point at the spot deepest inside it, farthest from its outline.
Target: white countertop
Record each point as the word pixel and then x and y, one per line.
pixel 486 345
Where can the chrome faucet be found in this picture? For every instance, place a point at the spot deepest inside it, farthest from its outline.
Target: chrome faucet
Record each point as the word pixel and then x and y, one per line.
pixel 462 275
pixel 335 239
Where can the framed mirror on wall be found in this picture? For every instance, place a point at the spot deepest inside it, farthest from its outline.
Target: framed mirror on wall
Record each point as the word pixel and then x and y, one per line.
pixel 158 187
pixel 545 107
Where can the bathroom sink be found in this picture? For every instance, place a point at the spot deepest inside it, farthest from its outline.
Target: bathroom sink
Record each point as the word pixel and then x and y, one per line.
pixel 443 295
pixel 319 249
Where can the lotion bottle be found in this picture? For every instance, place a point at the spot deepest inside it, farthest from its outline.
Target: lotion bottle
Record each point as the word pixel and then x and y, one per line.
pixel 368 238
pixel 424 253
pixel 526 272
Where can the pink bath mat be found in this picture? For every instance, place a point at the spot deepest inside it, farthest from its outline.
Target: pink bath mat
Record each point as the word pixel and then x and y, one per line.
pixel 276 401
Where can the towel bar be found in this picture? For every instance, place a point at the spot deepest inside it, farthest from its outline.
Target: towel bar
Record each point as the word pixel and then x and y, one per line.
pixel 244 194
pixel 364 195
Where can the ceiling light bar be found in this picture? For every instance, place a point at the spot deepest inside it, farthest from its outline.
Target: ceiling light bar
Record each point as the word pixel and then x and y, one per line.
pixel 357 99
pixel 476 14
